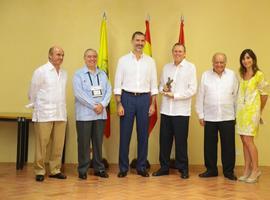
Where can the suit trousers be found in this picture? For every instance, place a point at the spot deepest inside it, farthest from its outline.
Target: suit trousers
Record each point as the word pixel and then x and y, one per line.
pixel 135 106
pixel 173 127
pixel 44 131
pixel 87 132
pixel 227 138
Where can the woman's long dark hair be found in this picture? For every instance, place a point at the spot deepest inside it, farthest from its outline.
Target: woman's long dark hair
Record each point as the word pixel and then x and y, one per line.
pixel 255 67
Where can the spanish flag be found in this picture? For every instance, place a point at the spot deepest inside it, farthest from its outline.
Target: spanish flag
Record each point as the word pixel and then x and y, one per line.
pixel 103 64
pixel 147 50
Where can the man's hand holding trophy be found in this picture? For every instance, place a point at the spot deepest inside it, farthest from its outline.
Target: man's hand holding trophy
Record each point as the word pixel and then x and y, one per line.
pixel 167 88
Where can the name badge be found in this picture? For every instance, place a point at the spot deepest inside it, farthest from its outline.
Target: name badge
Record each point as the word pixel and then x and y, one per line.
pixel 96 91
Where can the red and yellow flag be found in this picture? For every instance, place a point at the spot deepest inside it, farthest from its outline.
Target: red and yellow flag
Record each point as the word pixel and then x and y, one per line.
pixel 148 51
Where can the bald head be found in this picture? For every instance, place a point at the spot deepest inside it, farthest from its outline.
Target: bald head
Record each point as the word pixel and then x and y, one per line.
pixel 219 61
pixel 54 48
pixel 56 56
pixel 219 54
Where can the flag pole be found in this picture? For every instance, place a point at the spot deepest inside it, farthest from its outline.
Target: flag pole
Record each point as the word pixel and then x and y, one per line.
pixel 104 15
pixel 148 17
pixel 182 17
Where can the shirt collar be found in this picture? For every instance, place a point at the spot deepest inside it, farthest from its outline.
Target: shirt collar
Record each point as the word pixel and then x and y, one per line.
pixel 182 63
pixel 86 70
pixel 134 56
pixel 50 65
pixel 224 72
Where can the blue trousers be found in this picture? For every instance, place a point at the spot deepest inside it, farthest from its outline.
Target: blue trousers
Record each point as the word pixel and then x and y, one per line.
pixel 134 107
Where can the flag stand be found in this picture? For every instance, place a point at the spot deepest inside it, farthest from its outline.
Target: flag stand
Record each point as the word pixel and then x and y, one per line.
pixel 104 161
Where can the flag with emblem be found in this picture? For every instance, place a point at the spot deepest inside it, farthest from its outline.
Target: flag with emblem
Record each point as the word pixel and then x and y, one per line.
pixel 148 51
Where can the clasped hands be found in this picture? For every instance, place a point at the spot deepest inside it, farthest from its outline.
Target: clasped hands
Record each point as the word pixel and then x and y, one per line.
pixel 98 108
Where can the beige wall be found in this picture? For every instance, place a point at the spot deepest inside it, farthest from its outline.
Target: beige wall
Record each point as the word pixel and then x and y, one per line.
pixel 30 27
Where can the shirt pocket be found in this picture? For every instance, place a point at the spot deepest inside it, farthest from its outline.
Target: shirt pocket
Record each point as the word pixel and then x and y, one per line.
pixel 49 107
pixel 47 110
pixel 210 89
pixel 50 80
pixel 228 93
pixel 86 85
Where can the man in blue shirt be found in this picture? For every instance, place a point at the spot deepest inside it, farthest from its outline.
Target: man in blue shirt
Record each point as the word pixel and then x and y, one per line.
pixel 92 92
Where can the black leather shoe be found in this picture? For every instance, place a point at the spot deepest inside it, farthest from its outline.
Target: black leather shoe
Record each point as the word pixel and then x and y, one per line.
pixel 143 173
pixel 122 174
pixel 184 175
pixel 39 178
pixel 102 174
pixel 161 172
pixel 208 174
pixel 58 176
pixel 230 177
pixel 83 176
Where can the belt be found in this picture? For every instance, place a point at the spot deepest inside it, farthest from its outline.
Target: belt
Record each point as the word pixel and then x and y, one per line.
pixel 136 93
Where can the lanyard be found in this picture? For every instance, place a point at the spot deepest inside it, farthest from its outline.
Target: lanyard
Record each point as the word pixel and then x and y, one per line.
pixel 91 79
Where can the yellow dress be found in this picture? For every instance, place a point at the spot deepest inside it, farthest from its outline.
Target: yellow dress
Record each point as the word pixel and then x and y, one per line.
pixel 249 104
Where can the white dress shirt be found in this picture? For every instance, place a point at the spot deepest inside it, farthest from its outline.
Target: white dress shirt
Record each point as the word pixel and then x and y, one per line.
pixel 134 75
pixel 216 98
pixel 183 87
pixel 47 94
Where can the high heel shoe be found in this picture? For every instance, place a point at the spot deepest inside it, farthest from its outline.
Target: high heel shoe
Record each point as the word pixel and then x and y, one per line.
pixel 243 178
pixel 255 179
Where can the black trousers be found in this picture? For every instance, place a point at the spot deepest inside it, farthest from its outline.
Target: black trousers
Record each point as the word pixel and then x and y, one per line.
pixel 87 132
pixel 227 138
pixel 173 127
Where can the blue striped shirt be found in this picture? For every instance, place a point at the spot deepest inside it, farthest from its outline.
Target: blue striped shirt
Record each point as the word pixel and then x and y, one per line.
pixel 84 100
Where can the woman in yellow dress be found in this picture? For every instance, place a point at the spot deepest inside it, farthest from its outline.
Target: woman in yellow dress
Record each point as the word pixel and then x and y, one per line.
pixel 252 97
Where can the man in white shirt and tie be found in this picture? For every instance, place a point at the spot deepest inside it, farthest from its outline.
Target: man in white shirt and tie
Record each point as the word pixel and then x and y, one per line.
pixel 135 83
pixel 48 96
pixel 177 85
pixel 215 106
